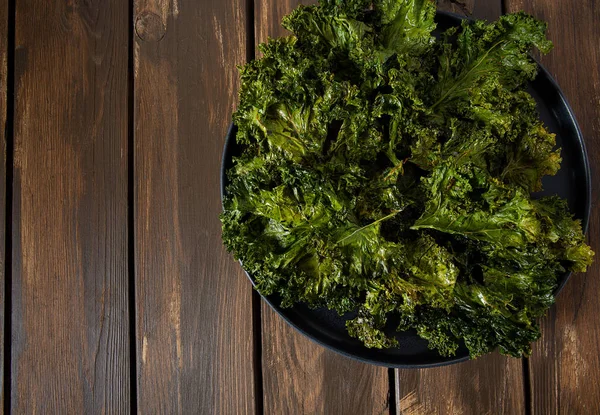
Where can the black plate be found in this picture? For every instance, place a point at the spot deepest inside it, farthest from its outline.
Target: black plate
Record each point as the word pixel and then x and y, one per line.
pixel 572 183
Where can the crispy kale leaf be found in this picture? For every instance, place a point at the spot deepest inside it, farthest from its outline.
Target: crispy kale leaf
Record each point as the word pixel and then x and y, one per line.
pixel 485 54
pixel 389 173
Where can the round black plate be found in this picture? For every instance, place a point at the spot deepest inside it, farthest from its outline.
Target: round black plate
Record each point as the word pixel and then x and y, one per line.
pixel 572 183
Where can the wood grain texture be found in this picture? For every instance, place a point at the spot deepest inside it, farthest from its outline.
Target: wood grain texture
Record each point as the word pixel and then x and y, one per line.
pixel 70 350
pixel 194 313
pixel 302 377
pixel 492 384
pixel 565 365
pixel 299 376
pixel 3 180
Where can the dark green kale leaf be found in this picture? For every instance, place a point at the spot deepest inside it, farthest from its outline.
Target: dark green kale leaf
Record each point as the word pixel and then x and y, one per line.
pixel 406 26
pixel 390 174
pixel 468 202
pixel 485 54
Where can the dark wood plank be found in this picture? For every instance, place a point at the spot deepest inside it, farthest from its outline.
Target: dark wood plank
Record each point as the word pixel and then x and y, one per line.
pixel 491 384
pixel 3 148
pixel 300 376
pixel 565 366
pixel 70 350
pixel 194 312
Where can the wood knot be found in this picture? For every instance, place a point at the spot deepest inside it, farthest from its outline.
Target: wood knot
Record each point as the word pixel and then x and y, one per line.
pixel 149 27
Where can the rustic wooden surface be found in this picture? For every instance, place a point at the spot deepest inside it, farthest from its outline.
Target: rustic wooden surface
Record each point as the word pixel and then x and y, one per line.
pixel 70 332
pixel 492 384
pixel 565 365
pixel 121 298
pixel 193 322
pixel 3 179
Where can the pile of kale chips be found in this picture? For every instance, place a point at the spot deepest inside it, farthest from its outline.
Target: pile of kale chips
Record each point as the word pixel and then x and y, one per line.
pixel 389 173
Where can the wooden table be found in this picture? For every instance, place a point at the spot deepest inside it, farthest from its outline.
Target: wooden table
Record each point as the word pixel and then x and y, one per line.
pixel 118 294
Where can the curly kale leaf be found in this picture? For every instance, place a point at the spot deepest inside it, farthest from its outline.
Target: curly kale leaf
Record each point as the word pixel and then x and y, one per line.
pixel 487 53
pixel 474 205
